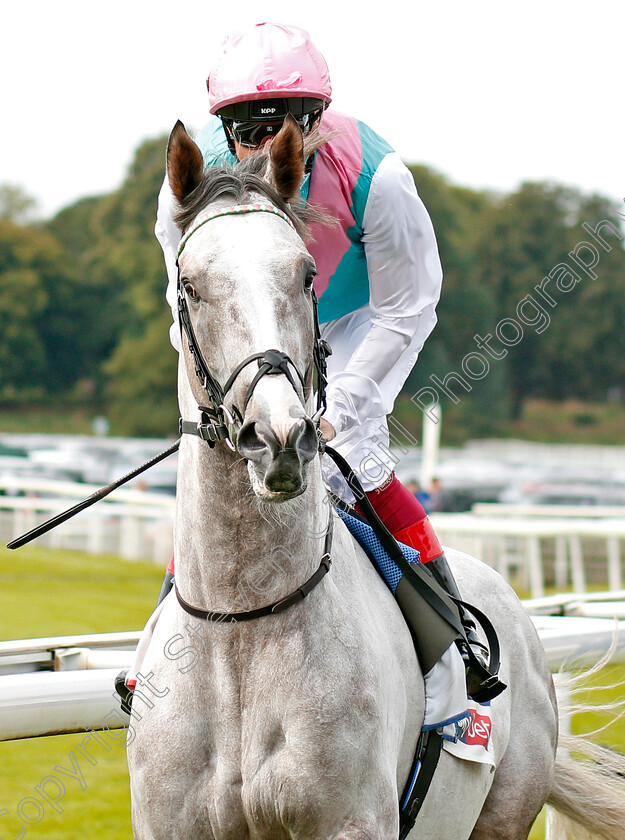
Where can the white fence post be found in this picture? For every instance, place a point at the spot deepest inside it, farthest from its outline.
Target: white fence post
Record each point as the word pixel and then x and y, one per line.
pixel 537 586
pixel 577 563
pixel 561 565
pixel 615 579
pixel 430 446
pixel 96 544
pixel 123 524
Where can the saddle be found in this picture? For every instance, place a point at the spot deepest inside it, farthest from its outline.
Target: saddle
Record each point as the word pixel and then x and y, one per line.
pixel 431 613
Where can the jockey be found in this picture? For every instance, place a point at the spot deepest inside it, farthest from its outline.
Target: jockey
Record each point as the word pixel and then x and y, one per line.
pixel 379 274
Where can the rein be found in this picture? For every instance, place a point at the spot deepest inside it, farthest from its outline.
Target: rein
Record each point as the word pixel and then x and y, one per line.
pixel 215 423
pixel 100 494
pixel 214 418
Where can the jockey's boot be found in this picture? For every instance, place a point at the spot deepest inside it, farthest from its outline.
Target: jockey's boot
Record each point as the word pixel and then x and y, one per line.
pixel 407 520
pixel 480 686
pixel 168 582
pixel 124 692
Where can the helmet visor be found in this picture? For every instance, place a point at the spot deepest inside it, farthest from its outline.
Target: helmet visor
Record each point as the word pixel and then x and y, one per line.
pixel 253 132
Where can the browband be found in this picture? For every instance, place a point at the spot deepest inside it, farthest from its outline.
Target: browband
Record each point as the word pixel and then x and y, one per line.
pixel 234 210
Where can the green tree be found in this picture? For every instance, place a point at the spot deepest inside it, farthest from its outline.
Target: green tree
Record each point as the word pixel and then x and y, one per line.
pixel 467 306
pixel 51 337
pixel 521 240
pixel 141 390
pixel 82 299
pixel 22 352
pixel 121 272
pixel 597 341
pixel 16 205
pixel 30 262
pixel 141 369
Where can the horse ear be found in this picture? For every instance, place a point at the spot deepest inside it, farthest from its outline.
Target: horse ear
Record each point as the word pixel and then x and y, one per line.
pixel 185 164
pixel 286 160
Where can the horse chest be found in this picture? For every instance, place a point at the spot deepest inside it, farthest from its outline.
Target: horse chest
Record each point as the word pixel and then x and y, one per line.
pixel 267 741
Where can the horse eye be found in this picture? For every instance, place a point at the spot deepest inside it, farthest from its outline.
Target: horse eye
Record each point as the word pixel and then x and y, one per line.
pixel 190 291
pixel 308 280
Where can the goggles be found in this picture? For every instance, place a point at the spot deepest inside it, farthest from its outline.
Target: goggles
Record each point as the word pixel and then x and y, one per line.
pixel 252 133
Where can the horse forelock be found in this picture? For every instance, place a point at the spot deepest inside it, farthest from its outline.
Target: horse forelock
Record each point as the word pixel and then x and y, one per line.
pixel 246 181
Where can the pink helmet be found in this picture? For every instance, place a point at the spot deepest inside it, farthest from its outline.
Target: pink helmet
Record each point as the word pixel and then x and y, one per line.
pixel 268 61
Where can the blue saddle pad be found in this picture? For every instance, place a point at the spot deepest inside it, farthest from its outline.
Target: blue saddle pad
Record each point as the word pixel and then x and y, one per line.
pixel 374 550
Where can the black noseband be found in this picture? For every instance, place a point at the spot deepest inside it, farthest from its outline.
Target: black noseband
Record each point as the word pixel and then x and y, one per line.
pixel 269 364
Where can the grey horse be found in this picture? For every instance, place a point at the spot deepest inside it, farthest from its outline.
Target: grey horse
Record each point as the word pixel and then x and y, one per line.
pixel 302 725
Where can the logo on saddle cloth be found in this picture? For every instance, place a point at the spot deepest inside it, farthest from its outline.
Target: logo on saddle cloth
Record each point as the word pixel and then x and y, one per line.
pixel 475 731
pixel 471 738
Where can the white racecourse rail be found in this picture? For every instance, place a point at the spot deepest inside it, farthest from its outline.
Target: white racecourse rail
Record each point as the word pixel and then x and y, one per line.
pixel 65 684
pixel 529 546
pixel 133 524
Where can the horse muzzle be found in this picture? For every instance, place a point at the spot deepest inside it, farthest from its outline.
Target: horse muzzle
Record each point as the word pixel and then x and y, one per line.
pixel 278 469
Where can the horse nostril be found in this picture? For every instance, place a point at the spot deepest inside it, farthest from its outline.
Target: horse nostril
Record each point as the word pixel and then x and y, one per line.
pixel 279 468
pixel 303 440
pixel 248 441
pixel 255 440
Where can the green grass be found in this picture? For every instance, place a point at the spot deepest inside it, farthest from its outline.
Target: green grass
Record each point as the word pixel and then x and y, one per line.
pixel 543 421
pixel 50 593
pixel 32 418
pixel 604 688
pixel 571 421
pixel 44 592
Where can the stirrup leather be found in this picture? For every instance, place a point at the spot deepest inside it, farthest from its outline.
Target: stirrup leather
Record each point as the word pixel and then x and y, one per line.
pixel 483 683
pixel 481 668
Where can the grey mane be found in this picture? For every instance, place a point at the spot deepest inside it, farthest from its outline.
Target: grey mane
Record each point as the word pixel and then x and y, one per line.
pixel 245 181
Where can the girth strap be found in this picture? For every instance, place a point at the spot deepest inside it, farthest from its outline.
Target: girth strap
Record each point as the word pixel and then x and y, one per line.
pixel 421 774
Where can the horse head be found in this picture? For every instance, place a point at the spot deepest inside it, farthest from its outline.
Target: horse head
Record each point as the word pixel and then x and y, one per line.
pixel 246 303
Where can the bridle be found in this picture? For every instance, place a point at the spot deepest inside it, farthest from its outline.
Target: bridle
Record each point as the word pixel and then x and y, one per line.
pixel 216 419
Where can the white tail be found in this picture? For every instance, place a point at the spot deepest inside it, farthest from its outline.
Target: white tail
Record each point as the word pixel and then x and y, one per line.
pixel 588 794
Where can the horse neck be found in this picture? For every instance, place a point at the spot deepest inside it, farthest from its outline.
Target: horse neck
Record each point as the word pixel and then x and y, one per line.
pixel 231 553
